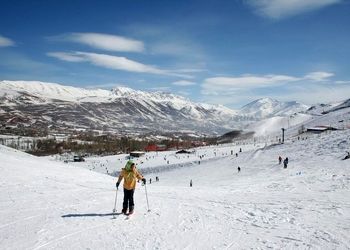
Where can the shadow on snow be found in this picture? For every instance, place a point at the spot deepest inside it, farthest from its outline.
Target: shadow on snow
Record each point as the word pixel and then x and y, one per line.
pixel 89 215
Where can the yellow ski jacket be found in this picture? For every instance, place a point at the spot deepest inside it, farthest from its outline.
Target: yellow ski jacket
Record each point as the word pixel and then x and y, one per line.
pixel 130 178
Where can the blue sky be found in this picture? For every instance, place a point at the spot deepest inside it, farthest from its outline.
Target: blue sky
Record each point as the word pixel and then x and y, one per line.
pixel 220 52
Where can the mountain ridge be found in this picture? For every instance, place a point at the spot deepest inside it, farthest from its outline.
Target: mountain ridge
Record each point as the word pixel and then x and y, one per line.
pixel 124 109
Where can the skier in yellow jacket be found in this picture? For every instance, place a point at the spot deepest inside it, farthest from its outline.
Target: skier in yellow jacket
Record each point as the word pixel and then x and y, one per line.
pixel 130 175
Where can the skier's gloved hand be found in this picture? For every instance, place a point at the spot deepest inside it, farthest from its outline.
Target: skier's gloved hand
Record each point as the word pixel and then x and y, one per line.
pixel 144 181
pixel 117 185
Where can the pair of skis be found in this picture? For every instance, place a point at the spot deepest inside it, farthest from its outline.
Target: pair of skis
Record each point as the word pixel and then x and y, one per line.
pixel 128 214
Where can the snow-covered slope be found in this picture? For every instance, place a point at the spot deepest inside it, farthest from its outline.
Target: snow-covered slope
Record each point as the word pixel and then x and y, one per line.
pixel 267 107
pixel 273 125
pixel 321 108
pixel 337 117
pixel 48 205
pixel 343 105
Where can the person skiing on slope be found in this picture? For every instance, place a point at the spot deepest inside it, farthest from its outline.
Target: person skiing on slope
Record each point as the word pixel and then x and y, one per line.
pixel 130 174
pixel 285 162
pixel 279 159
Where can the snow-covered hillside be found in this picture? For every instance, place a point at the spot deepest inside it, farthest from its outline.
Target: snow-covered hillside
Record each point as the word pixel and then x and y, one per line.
pixel 320 109
pixel 267 107
pixel 48 205
pixel 337 117
pixel 273 125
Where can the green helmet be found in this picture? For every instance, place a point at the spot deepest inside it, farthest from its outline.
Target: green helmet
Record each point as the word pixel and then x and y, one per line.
pixel 128 165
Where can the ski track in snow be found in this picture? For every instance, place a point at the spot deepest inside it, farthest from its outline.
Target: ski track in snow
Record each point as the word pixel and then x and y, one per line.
pixel 49 205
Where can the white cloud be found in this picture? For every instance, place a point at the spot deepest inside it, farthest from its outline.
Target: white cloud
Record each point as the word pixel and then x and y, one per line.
pixel 278 9
pixel 6 42
pixel 69 57
pixel 233 84
pixel 342 82
pixel 319 76
pixel 119 63
pixel 103 41
pixel 246 82
pixel 112 62
pixel 184 83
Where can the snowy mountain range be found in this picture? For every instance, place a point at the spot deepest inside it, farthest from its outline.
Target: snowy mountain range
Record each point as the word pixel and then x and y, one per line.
pixel 125 110
pixel 121 109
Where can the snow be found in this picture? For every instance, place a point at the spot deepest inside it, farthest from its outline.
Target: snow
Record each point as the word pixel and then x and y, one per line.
pixel 266 107
pixel 274 124
pixel 153 162
pixel 47 90
pixel 318 109
pixel 50 92
pixel 46 204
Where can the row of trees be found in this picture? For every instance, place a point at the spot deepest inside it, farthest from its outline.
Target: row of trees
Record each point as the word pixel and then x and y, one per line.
pixel 51 146
pixel 101 145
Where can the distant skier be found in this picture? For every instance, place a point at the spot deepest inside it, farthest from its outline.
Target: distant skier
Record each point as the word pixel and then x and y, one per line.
pixel 239 169
pixel 157 179
pixel 279 160
pixel 190 183
pixel 285 162
pixel 236 154
pixel 150 180
pixel 130 175
pixel 347 156
pixel 240 150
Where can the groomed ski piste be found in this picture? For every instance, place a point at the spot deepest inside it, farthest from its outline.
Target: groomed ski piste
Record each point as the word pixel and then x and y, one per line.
pixel 46 204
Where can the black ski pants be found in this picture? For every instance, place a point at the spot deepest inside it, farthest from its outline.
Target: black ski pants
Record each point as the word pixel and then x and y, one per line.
pixel 128 199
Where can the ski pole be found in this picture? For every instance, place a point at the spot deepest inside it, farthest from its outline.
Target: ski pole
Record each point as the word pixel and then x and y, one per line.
pixel 115 200
pixel 147 198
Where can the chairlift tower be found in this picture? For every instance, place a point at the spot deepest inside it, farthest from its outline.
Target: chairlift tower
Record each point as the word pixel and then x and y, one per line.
pixel 283 129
